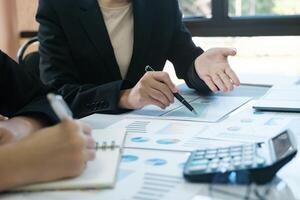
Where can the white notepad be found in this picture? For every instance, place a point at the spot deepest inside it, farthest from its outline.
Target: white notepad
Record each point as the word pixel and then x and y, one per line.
pixel 100 173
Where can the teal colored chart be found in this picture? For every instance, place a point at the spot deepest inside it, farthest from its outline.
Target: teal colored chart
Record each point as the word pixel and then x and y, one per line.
pixel 155 162
pixel 200 107
pixel 129 158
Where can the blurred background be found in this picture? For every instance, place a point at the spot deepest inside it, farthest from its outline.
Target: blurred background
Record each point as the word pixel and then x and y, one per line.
pixel 266 33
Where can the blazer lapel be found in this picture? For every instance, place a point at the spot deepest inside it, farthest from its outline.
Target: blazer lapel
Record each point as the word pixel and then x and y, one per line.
pixel 93 22
pixel 142 32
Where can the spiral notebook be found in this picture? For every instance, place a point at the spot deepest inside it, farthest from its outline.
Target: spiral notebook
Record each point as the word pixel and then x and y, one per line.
pixel 100 173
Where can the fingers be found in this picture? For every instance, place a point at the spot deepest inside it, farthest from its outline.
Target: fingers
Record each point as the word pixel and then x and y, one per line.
pixel 156 103
pixel 232 75
pixel 90 150
pixel 227 82
pixel 164 89
pixel 219 83
pixel 160 97
pixel 165 78
pixel 210 83
pixel 161 89
pixel 90 142
pixel 90 154
pixel 228 51
pixel 86 129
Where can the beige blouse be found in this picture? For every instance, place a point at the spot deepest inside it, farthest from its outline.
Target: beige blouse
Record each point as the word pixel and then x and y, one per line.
pixel 120 26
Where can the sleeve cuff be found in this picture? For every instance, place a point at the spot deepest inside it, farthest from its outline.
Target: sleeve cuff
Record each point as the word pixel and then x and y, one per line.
pixel 195 82
pixel 40 109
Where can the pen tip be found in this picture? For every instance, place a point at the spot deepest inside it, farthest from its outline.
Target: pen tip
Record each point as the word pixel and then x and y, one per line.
pixel 195 112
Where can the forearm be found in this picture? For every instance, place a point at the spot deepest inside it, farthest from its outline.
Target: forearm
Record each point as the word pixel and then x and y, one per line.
pixel 14 169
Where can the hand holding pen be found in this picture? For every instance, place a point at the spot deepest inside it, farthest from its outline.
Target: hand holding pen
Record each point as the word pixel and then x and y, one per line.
pixel 154 88
pixel 64 114
pixel 180 98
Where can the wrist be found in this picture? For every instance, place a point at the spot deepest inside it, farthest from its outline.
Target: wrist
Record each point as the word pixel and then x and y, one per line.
pixel 124 99
pixel 21 127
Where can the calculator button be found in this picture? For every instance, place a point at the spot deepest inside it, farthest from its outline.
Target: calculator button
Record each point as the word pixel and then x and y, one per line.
pixel 237 153
pixel 214 166
pixel 260 162
pixel 200 153
pixel 248 148
pixel 226 159
pixel 198 157
pixel 248 163
pixel 211 151
pixel 215 160
pixel 237 158
pixel 200 162
pixel 223 150
pixel 237 164
pixel 210 156
pixel 237 148
pixel 222 155
pixel 248 157
pixel 198 168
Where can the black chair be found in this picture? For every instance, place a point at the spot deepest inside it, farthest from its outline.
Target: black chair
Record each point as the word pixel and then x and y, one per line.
pixel 29 61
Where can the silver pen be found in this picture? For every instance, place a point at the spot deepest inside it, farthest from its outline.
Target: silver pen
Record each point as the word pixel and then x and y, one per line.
pixel 60 107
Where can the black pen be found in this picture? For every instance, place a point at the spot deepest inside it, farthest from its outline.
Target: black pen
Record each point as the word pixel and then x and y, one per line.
pixel 176 95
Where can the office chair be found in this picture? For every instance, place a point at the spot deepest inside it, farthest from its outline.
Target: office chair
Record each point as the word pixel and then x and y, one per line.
pixel 29 61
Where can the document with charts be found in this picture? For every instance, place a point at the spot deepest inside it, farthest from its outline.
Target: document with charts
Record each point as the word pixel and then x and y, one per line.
pixel 157 134
pixel 100 173
pixel 209 109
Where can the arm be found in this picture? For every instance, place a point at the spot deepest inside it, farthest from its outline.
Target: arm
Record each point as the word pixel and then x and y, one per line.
pixel 50 154
pixel 58 69
pixel 17 86
pixel 183 54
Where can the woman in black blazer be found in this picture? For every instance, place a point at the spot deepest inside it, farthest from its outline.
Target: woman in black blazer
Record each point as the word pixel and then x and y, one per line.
pixel 79 59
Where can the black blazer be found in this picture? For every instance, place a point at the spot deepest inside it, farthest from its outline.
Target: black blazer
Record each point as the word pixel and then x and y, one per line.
pixel 22 93
pixel 77 57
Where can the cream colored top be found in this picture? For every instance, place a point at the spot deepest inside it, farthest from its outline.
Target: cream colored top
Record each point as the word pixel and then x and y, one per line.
pixel 120 26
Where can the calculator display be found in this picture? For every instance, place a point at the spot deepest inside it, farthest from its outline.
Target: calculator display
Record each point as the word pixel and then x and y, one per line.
pixel 282 145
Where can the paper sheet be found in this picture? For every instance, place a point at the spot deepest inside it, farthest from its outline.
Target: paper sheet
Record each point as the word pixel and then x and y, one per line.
pixel 167 135
pixel 209 109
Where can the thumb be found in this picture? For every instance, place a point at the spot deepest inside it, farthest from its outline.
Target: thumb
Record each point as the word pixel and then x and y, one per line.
pixel 228 51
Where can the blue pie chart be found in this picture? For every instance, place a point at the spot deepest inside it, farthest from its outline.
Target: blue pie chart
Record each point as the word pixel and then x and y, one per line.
pixel 155 162
pixel 168 141
pixel 129 158
pixel 139 139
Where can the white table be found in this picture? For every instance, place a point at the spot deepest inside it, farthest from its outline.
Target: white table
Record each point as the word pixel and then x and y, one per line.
pixel 286 186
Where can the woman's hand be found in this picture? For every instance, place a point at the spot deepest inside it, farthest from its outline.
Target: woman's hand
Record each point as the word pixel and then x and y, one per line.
pixel 154 88
pixel 50 154
pixel 213 68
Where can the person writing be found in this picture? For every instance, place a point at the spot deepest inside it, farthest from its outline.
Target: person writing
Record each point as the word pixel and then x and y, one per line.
pixel 30 152
pixel 94 52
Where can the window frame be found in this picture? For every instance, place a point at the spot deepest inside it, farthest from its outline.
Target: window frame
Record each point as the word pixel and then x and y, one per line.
pixel 221 24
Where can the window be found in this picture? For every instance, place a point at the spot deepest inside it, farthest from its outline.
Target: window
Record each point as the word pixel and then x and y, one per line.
pixel 263 7
pixel 270 31
pixel 243 17
pixel 200 8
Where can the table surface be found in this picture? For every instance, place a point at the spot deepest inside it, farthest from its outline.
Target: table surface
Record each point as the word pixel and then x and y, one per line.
pixel 288 179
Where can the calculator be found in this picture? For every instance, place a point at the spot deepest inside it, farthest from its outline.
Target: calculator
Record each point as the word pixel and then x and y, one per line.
pixel 244 164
